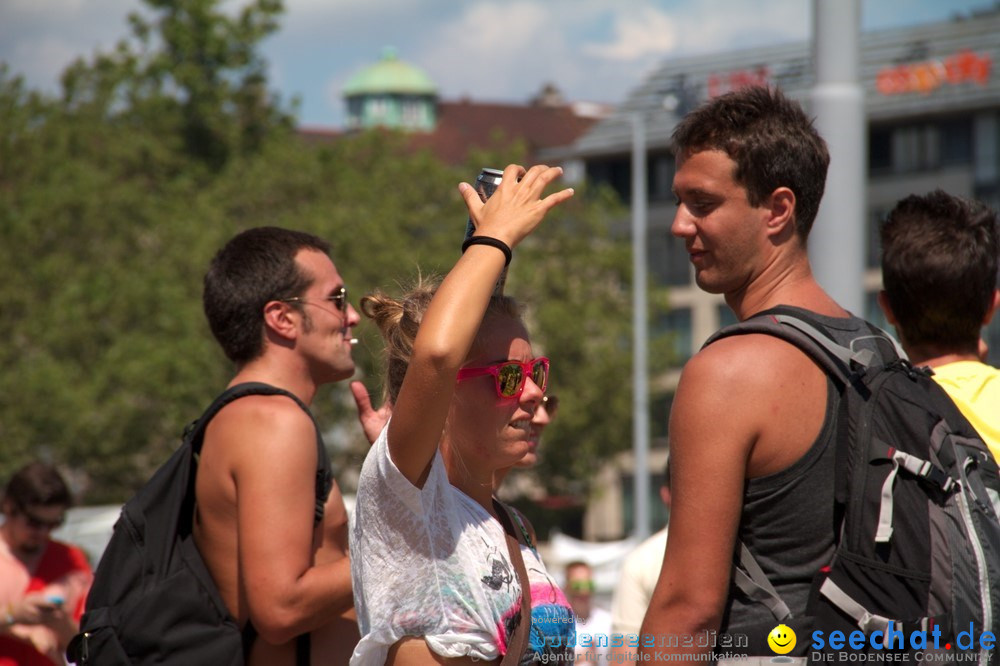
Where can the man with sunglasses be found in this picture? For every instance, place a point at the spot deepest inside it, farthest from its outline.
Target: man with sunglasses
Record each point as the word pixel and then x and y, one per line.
pixel 593 622
pixel 270 521
pixel 43 582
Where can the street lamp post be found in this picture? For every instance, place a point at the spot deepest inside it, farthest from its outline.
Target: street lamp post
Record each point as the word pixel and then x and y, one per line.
pixel 837 241
pixel 640 332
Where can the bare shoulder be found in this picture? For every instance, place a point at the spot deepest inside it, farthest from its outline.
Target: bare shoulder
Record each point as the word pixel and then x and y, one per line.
pixel 738 386
pixel 260 421
pixel 754 396
pixel 747 363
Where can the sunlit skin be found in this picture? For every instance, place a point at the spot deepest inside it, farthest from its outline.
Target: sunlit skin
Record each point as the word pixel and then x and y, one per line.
pixel 325 337
pixel 477 445
pixel 541 420
pixel 715 220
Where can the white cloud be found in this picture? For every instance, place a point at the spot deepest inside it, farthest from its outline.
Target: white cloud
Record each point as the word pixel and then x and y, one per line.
pixel 486 53
pixel 716 26
pixel 644 32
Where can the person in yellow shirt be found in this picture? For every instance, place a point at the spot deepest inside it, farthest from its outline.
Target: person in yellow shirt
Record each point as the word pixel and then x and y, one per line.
pixel 940 256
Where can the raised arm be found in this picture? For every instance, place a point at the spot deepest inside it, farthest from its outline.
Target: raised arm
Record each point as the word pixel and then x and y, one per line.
pixel 450 324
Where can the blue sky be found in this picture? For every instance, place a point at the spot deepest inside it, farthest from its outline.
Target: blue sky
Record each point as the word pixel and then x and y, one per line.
pixel 593 50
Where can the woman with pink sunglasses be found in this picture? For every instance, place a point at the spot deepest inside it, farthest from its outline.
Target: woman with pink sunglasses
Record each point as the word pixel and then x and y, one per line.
pixel 433 578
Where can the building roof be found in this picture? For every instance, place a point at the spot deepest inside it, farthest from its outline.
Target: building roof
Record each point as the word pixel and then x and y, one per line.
pixel 390 75
pixel 465 124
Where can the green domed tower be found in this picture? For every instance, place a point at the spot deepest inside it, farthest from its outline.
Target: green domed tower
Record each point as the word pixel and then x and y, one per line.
pixel 391 93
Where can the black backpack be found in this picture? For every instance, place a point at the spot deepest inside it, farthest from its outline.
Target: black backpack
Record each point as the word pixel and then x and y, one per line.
pixel 153 600
pixel 917 503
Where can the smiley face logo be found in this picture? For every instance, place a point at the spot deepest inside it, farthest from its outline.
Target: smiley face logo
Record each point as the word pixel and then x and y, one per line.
pixel 781 639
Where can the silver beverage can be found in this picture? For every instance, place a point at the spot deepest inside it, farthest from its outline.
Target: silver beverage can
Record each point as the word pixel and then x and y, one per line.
pixel 487 183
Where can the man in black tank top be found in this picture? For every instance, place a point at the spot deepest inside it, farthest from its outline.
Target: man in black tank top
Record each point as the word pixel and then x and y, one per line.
pixel 264 493
pixel 750 425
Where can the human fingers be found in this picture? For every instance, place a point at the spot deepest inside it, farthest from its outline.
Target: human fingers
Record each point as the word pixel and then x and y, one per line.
pixel 32 609
pixel 472 201
pixel 512 174
pixel 557 198
pixel 535 177
pixel 372 420
pixel 361 397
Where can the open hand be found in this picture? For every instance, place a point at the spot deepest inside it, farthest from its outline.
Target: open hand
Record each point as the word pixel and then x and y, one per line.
pixel 372 420
pixel 516 208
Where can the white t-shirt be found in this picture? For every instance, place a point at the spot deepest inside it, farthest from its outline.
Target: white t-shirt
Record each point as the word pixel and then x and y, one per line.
pixel 432 562
pixel 593 636
pixel 636 582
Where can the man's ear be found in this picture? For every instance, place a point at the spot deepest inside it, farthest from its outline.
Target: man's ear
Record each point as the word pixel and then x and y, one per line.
pixel 781 211
pixel 883 302
pixel 993 307
pixel 280 319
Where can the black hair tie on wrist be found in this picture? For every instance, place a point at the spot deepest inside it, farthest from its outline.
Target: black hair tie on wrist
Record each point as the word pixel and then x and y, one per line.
pixel 492 242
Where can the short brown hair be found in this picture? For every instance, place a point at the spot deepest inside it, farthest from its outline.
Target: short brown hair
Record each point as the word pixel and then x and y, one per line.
pixel 37 484
pixel 256 266
pixel 398 320
pixel 939 268
pixel 772 141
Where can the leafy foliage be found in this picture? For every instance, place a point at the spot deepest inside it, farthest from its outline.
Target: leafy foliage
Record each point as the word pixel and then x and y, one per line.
pixel 114 197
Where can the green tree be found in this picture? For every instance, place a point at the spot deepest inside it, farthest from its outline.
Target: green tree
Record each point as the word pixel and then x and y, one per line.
pixel 115 195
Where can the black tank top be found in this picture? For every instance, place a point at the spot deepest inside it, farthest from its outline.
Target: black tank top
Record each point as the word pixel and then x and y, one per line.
pixel 787 520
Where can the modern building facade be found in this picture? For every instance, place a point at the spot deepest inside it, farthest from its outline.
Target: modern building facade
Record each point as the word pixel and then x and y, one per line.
pixel 932 102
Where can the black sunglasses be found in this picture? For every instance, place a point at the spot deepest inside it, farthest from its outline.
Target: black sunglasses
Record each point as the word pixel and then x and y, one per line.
pixel 37 523
pixel 338 299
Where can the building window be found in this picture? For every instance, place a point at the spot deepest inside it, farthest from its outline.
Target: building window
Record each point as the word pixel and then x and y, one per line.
pixel 991 334
pixel 676 325
pixel 614 172
pixel 873 240
pixel 659 415
pixel 661 177
pixel 726 316
pixel 920 146
pixel 956 142
pixel 659 514
pixel 880 150
pixel 915 148
pixel 874 314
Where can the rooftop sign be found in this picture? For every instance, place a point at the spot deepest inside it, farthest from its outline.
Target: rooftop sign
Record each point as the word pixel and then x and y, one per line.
pixel 927 76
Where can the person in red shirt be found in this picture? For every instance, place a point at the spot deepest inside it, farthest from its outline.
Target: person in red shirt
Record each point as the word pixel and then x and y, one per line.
pixel 43 582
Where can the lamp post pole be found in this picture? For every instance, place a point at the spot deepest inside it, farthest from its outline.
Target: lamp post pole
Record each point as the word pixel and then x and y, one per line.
pixel 640 331
pixel 837 242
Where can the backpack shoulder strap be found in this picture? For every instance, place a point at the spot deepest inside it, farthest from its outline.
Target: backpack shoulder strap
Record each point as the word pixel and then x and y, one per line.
pixel 517 642
pixel 839 362
pixel 195 431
